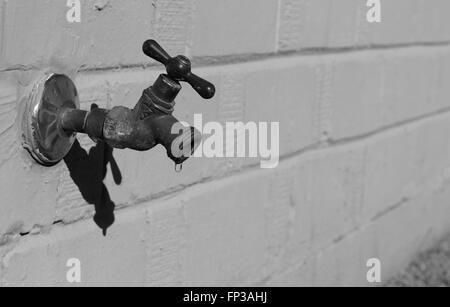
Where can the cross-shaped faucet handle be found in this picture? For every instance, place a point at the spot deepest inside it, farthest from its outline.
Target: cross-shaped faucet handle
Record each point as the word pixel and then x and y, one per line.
pixel 179 68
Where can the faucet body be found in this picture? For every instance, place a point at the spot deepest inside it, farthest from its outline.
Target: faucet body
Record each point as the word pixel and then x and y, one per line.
pixel 52 116
pixel 148 124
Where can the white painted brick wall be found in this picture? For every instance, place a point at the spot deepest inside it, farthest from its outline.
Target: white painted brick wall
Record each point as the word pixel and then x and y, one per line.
pixel 364 112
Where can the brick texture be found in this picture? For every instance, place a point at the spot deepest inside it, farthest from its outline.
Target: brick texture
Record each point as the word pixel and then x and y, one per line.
pixel 364 115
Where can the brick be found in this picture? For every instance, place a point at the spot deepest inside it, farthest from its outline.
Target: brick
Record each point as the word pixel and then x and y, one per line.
pixel 234 27
pixel 21 180
pixel 337 211
pixel 47 38
pixel 299 275
pixel 383 90
pixel 234 243
pixel 303 24
pixel 420 21
pixel 41 260
pixel 309 24
pixel 394 238
pixel 400 163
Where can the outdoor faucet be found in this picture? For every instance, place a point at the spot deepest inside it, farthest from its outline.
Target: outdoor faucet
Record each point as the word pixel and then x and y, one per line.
pixel 52 116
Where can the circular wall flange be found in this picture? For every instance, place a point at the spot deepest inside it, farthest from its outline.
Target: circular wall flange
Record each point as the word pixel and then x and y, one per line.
pixel 42 133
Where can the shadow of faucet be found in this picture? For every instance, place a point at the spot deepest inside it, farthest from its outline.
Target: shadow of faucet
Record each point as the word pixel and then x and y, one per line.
pixel 88 170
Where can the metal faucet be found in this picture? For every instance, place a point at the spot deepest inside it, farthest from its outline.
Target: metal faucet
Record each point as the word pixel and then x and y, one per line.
pixel 53 117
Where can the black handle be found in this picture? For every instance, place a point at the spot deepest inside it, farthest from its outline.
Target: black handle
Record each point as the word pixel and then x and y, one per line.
pixel 154 50
pixel 179 68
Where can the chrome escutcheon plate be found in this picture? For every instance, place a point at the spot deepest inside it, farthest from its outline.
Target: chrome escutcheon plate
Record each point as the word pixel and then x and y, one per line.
pixel 42 133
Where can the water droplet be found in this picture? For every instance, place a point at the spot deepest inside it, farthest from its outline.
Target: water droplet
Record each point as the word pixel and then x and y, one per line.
pixel 178 167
